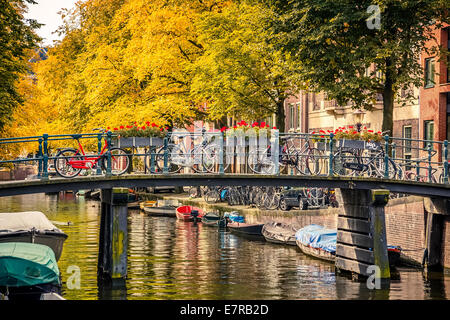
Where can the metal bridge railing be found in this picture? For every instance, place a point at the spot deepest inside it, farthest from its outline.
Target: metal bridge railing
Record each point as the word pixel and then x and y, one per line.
pixel 218 152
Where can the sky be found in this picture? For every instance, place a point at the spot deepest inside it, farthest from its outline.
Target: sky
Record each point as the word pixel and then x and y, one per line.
pixel 46 12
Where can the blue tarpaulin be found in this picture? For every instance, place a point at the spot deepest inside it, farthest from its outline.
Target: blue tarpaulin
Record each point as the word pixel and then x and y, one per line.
pixel 234 216
pixel 317 236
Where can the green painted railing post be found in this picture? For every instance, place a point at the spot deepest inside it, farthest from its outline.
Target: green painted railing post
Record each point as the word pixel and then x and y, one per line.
pixel 99 147
pixel 445 161
pixel 429 149
pixel 417 170
pixel 386 156
pixel 152 159
pixel 330 156
pixel 221 154
pixel 108 154
pixel 45 157
pixel 40 158
pixel 166 156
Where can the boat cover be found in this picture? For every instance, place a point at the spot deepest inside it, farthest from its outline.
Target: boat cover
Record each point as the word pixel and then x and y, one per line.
pixel 317 236
pixel 27 264
pixel 234 216
pixel 24 221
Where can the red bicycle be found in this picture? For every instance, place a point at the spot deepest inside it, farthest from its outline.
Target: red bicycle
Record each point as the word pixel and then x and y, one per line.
pixel 70 161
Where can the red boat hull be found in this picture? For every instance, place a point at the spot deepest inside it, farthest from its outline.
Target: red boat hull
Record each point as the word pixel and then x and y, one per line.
pixel 185 213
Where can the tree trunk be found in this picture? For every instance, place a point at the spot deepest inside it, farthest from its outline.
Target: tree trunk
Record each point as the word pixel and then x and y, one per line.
pixel 388 100
pixel 280 115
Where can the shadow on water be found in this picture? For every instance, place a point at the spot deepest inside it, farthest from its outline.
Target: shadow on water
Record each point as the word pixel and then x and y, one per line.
pixel 170 259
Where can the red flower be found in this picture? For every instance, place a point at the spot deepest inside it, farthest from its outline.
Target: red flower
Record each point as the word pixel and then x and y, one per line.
pixel 115 129
pixel 350 127
pixel 154 125
pixel 365 128
pixel 108 128
pixel 379 132
pixel 160 129
pixel 274 127
pixel 369 130
pixel 313 132
pixel 255 124
pixel 321 131
pixel 143 127
pixel 147 123
pixel 354 132
pixel 235 127
pixel 129 127
pixel 122 127
pixel 263 124
pixel 167 128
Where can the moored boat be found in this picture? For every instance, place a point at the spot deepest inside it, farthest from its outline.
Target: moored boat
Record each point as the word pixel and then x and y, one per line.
pixel 319 242
pixel 189 213
pixel 250 230
pixel 166 208
pixel 213 219
pixel 32 227
pixel 144 204
pixel 278 232
pixel 234 216
pixel 28 271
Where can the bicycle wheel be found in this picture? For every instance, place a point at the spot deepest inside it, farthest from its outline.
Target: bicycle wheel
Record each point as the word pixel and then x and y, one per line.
pixel 380 165
pixel 175 159
pixel 341 161
pixel 211 158
pixel 120 161
pixel 148 160
pixel 63 165
pixel 212 197
pixel 314 161
pixel 259 162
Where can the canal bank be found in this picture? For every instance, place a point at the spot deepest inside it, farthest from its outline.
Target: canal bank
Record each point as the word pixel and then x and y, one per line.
pixel 406 222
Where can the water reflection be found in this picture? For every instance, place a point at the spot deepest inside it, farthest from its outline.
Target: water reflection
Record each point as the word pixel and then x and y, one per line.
pixel 170 259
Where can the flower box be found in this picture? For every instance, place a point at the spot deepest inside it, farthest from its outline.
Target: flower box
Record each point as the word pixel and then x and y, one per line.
pixel 138 142
pixel 352 144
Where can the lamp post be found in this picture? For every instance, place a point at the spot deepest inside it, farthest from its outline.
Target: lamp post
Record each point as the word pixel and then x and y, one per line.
pixel 358 116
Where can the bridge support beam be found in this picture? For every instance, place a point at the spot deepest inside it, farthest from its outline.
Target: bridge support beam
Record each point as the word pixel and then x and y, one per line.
pixel 361 246
pixel 112 257
pixel 435 209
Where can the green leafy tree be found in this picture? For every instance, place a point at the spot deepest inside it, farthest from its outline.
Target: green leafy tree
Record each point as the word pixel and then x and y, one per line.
pixel 16 37
pixel 239 72
pixel 356 49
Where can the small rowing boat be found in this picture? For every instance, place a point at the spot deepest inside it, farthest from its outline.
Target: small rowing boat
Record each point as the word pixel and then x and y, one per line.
pixel 144 204
pixel 213 219
pixel 163 208
pixel 189 213
pixel 278 232
pixel 249 230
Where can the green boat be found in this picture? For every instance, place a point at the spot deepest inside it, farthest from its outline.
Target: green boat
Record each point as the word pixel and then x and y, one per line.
pixel 28 271
pixel 213 219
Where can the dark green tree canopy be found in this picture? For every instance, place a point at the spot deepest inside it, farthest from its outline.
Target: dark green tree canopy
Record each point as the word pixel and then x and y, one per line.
pixel 354 49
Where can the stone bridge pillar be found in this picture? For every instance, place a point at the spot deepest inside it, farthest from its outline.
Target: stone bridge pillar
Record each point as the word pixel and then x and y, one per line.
pixel 112 257
pixel 361 234
pixel 436 210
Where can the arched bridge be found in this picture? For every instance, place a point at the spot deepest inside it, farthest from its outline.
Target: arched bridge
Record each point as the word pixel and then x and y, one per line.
pixel 131 181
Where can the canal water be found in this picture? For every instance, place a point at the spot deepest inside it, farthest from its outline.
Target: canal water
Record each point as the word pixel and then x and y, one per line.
pixel 170 259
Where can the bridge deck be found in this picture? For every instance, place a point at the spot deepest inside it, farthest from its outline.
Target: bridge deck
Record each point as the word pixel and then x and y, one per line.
pixel 135 180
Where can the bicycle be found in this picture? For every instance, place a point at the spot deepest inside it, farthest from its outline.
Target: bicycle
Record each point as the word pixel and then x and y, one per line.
pixel 179 156
pixel 70 161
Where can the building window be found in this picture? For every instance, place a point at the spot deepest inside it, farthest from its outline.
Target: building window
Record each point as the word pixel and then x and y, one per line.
pixel 448 116
pixel 291 116
pixel 428 132
pixel 299 115
pixel 407 134
pixel 429 73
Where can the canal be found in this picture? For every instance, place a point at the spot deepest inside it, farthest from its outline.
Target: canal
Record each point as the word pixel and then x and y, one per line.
pixel 170 259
